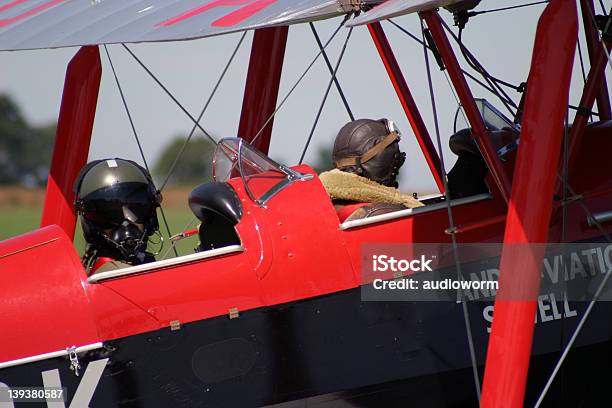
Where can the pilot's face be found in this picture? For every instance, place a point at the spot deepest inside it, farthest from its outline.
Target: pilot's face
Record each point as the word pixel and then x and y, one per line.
pixel 384 168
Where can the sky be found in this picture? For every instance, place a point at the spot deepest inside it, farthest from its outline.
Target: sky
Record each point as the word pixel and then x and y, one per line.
pixel 502 42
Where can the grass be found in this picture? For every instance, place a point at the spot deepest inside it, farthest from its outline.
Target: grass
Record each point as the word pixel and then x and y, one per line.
pixel 16 220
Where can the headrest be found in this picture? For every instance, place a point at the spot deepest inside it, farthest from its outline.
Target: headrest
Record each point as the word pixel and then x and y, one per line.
pixel 218 198
pixel 463 142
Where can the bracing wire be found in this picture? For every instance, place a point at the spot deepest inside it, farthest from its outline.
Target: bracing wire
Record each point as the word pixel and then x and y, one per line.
pixel 572 340
pixel 601 41
pixel 491 80
pixel 329 85
pixel 452 228
pixel 576 108
pixel 299 80
pixel 466 73
pixel 565 171
pixel 127 111
pixel 582 64
pixel 587 211
pixel 165 89
pixel 331 71
pixel 193 129
pixel 460 107
pixel 129 115
pixel 581 60
pixel 567 188
pixel 478 67
pixel 476 13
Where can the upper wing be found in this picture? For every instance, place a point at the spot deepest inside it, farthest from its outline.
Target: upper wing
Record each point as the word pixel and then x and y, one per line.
pixel 30 24
pixel 393 8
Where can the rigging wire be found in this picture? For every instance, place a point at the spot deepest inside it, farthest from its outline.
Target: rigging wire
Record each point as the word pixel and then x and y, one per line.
pixel 586 210
pixel 581 60
pixel 582 66
pixel 163 87
pixel 601 41
pixel 576 108
pixel 282 102
pixel 193 129
pixel 491 80
pixel 129 115
pixel 331 71
pixel 459 106
pixel 565 172
pixel 475 13
pixel 568 188
pixel 452 228
pixel 329 85
pixel 570 343
pixel 564 256
pixel 494 82
pixel 466 73
pixel 478 67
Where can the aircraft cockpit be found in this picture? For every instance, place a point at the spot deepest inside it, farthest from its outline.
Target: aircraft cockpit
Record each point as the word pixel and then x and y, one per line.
pixel 238 170
pixel 247 184
pixel 262 177
pixel 216 204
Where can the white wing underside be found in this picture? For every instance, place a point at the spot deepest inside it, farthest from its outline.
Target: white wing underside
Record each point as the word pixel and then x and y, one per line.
pixel 32 24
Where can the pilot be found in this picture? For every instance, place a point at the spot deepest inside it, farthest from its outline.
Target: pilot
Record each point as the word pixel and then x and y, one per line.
pixel 367 158
pixel 117 202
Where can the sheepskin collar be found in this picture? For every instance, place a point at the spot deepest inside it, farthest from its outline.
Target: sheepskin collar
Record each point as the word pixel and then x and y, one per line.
pixel 341 185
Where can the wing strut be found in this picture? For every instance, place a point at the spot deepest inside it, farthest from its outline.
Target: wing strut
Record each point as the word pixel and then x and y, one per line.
pixel 530 206
pixel 481 134
pixel 408 103
pixel 262 83
pixel 603 97
pixel 73 136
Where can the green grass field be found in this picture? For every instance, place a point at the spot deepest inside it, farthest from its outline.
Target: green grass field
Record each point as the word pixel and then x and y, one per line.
pixel 16 220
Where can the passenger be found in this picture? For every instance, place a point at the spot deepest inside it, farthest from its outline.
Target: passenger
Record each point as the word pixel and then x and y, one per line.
pixel 117 202
pixel 367 158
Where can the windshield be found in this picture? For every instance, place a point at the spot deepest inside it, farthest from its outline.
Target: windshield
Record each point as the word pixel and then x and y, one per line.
pixel 493 118
pixel 262 177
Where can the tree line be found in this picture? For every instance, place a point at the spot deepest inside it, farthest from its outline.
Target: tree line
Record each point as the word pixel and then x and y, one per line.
pixel 26 151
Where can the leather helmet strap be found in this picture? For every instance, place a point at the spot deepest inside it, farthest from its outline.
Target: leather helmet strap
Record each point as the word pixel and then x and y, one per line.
pixel 370 154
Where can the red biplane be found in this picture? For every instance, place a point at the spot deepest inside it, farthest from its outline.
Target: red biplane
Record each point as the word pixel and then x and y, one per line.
pixel 272 313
